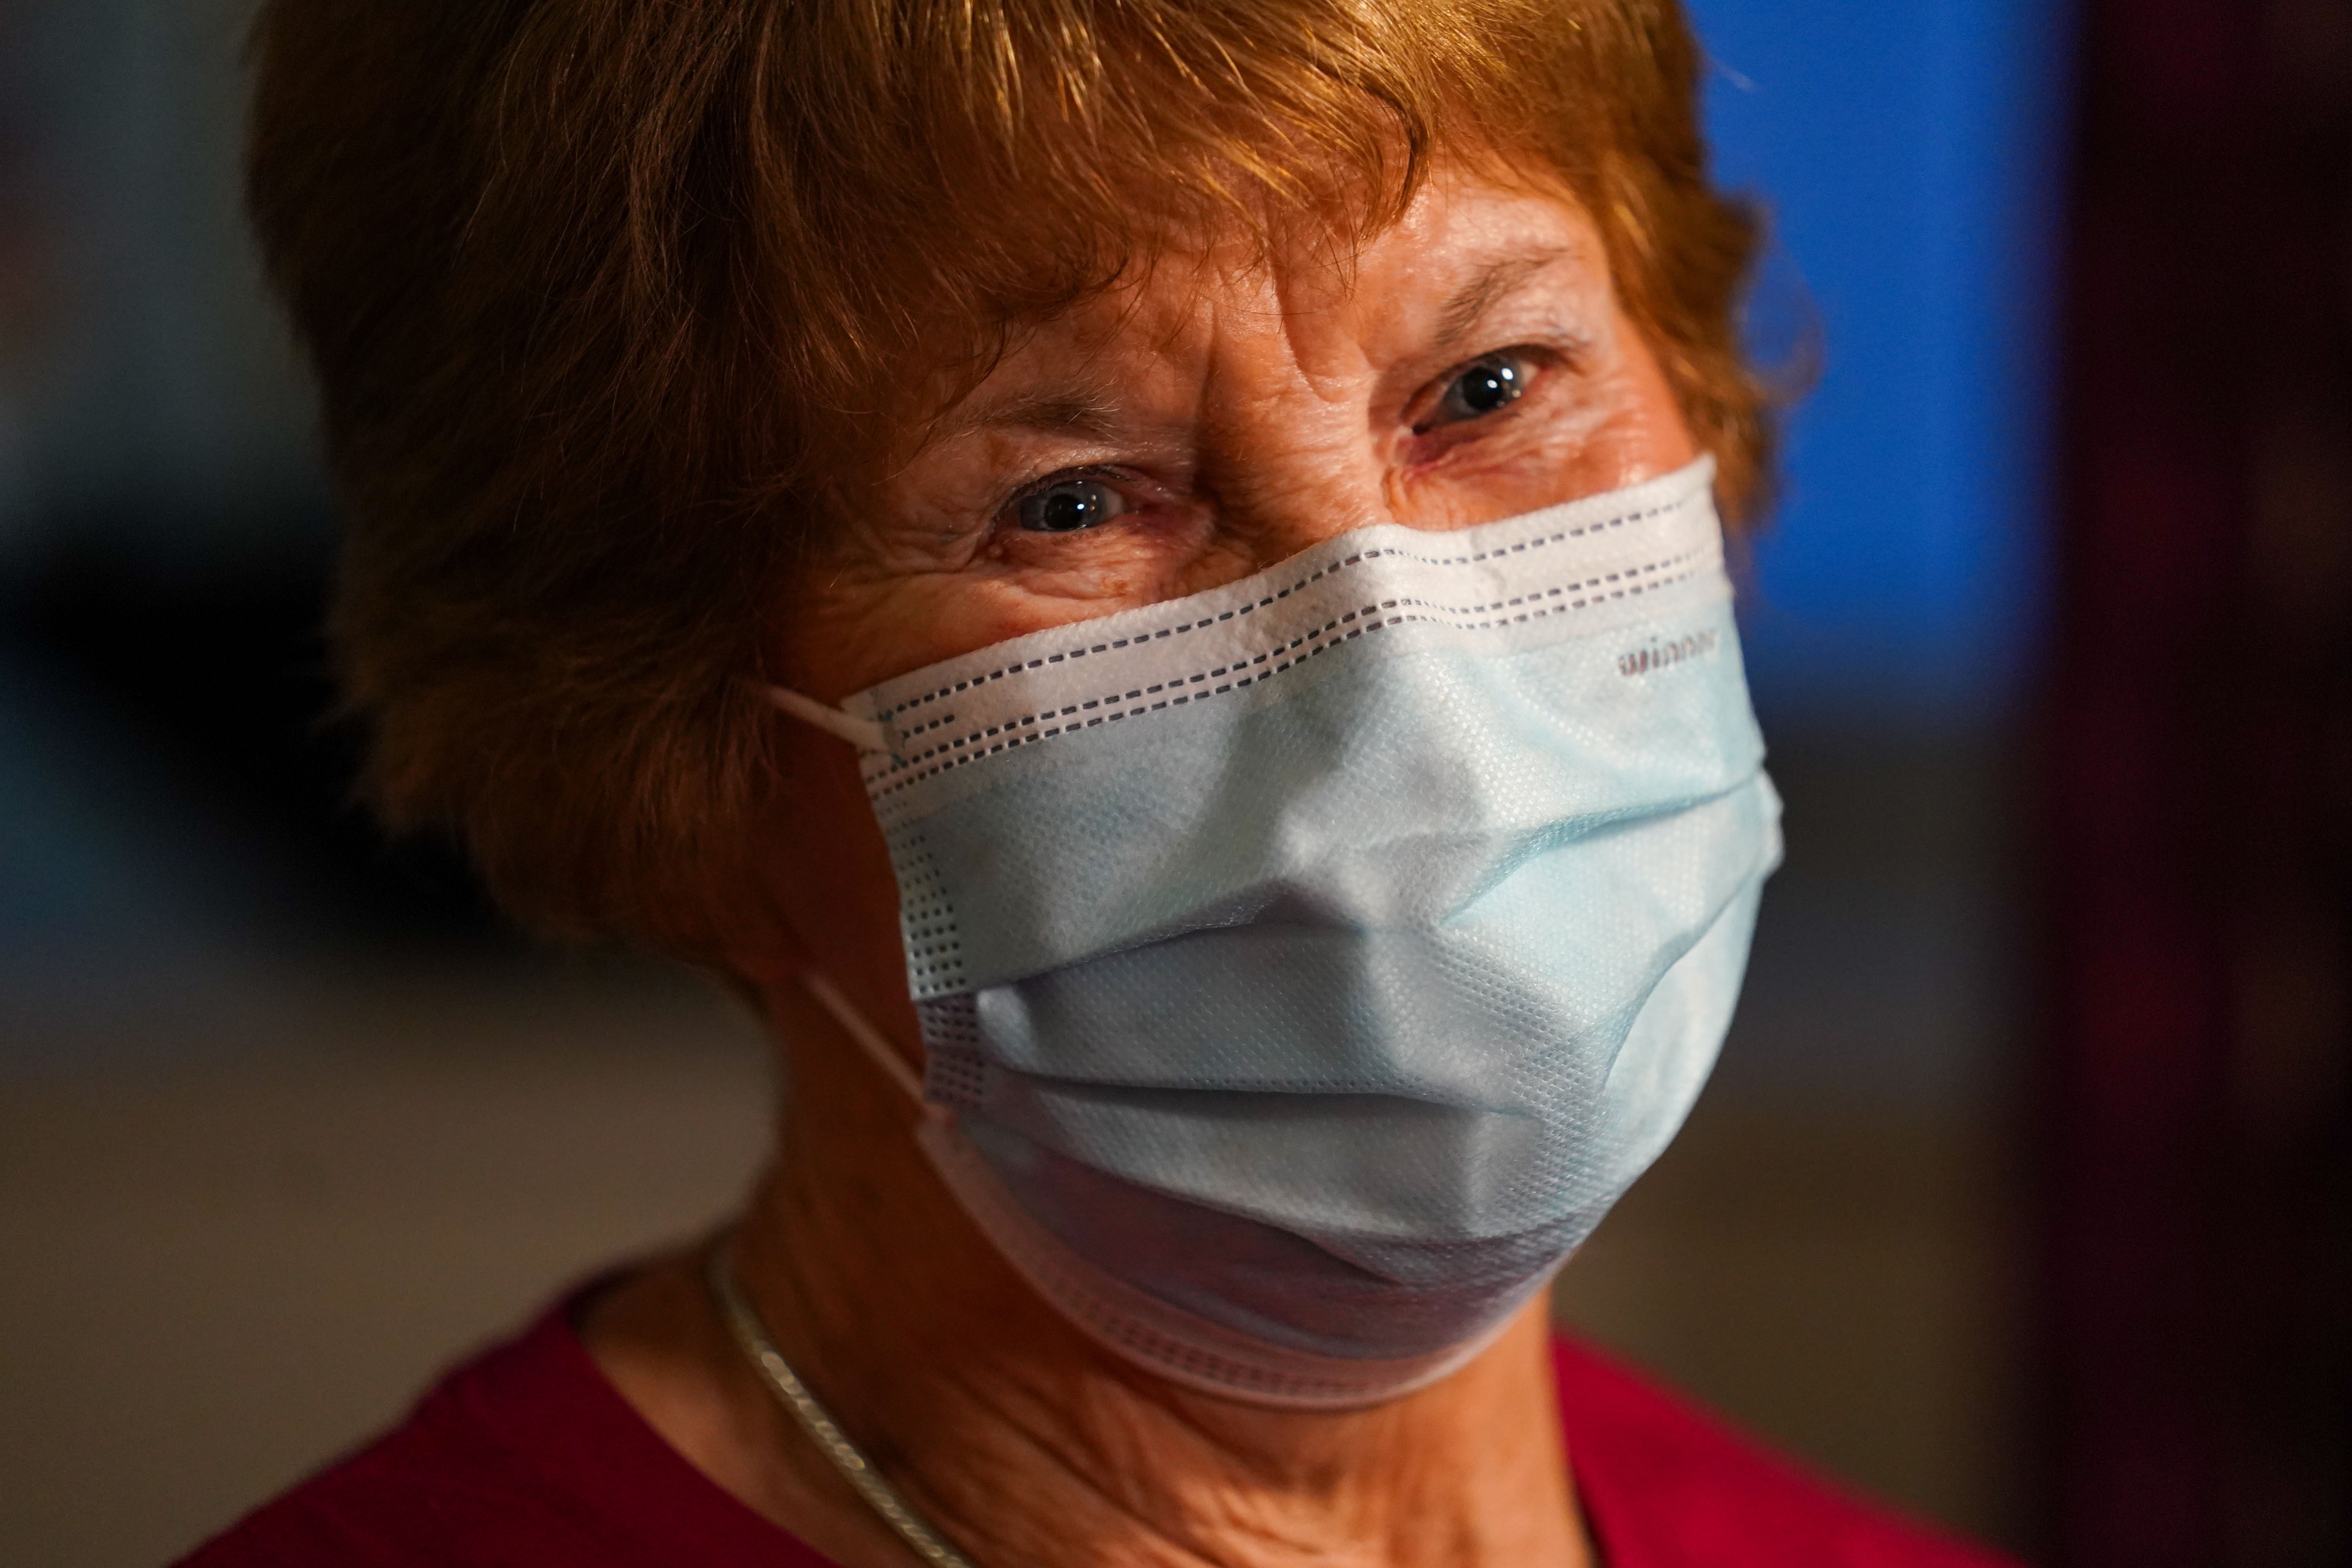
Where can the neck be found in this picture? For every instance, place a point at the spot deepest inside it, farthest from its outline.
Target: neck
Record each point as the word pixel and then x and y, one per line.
pixel 1023 1442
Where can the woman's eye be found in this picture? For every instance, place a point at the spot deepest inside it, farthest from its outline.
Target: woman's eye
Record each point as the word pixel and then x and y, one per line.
pixel 1067 506
pixel 1483 386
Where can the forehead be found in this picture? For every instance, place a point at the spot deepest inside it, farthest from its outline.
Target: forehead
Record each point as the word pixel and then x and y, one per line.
pixel 1467 244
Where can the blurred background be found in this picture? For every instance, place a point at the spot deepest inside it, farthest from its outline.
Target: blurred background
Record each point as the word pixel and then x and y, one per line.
pixel 2020 1197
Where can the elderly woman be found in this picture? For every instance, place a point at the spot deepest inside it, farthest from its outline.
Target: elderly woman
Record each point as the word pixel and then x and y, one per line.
pixel 1143 577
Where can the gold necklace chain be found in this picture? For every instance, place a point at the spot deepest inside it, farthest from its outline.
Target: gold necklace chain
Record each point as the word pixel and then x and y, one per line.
pixel 751 1334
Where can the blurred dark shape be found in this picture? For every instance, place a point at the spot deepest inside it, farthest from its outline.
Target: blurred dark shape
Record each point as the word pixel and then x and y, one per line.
pixel 216 663
pixel 2197 845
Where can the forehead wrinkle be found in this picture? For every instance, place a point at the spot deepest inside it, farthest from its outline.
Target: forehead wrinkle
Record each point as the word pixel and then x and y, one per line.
pixel 1316 332
pixel 1465 307
pixel 1084 403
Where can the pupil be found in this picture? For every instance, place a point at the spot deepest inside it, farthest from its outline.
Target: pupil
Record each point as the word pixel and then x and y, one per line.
pixel 1488 387
pixel 1066 509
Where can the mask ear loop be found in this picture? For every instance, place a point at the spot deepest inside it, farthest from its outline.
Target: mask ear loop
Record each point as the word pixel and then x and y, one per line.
pixel 863 733
pixel 867 736
pixel 869 1039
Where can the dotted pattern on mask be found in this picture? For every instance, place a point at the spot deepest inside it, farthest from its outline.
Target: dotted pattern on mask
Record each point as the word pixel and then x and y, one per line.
pixel 1586 531
pixel 1567 598
pixel 955 1074
pixel 927 920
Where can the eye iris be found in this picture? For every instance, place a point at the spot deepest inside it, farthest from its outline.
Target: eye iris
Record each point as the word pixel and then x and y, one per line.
pixel 1485 387
pixel 1066 508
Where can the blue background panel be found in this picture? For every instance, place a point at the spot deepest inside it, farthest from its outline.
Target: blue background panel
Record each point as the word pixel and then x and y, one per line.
pixel 1910 154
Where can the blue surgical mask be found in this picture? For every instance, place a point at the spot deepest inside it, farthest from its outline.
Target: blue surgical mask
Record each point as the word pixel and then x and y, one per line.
pixel 1308 965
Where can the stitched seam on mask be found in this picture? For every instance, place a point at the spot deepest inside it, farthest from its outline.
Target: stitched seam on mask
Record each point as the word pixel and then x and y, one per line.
pixel 1083 650
pixel 911 771
pixel 1441 615
pixel 1455 615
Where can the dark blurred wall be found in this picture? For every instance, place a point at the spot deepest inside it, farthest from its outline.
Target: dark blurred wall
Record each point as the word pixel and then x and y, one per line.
pixel 2196 846
pixel 173 806
pixel 158 399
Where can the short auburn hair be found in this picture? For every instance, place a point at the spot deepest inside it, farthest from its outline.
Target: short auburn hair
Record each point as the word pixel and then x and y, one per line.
pixel 609 300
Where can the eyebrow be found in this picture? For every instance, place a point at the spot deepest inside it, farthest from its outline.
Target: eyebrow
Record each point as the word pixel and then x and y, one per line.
pixel 1060 413
pixel 1467 304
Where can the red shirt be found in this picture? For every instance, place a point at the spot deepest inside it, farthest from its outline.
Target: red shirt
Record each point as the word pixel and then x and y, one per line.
pixel 526 1458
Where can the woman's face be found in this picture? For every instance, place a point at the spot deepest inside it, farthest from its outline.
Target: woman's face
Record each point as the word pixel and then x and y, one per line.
pixel 1221 414
pixel 1211 419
